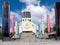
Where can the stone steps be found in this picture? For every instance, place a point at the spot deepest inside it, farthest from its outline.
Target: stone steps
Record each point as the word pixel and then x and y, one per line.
pixel 27 37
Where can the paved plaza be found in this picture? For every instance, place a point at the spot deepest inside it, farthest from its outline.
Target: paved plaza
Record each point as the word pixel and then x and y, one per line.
pixel 37 42
pixel 29 39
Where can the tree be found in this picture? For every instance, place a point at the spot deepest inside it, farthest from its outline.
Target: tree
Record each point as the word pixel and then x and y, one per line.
pixel 54 28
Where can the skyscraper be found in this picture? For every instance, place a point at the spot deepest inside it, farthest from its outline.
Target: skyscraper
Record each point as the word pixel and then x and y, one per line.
pixel 5 24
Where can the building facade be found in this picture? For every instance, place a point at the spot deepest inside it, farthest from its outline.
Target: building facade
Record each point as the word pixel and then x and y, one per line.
pixel 27 24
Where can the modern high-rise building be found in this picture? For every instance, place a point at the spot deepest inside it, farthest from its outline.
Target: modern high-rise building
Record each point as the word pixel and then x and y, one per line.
pixel 6 23
pixel 57 19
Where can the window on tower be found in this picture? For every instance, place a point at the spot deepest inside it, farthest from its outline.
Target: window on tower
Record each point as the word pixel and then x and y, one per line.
pixel 26 15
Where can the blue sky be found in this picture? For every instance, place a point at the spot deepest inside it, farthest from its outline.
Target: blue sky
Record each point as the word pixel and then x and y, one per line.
pixel 16 6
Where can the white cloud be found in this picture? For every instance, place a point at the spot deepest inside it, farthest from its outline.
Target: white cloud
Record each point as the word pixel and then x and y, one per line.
pixel 30 1
pixel 17 16
pixel 38 11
